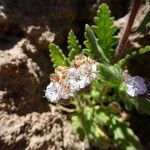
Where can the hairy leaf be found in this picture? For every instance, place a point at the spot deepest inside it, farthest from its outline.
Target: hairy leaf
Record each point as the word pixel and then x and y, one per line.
pixel 92 45
pixel 73 46
pixel 105 30
pixel 57 56
pixel 111 75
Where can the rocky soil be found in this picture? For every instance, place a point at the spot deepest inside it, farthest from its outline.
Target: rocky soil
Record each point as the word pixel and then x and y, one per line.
pixel 27 120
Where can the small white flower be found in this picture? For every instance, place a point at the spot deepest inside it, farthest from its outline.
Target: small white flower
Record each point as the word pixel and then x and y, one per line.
pixel 77 78
pixel 52 92
pixel 65 90
pixel 72 84
pixel 82 78
pixel 66 81
pixel 91 70
pixel 135 86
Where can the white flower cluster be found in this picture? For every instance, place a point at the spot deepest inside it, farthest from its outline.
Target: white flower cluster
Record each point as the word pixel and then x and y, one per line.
pixel 135 86
pixel 66 81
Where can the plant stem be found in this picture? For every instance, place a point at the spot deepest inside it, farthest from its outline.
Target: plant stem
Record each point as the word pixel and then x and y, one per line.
pixel 68 110
pixel 120 48
pixel 78 103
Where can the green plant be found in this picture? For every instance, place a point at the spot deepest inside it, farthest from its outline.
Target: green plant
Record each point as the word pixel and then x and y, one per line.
pixel 103 83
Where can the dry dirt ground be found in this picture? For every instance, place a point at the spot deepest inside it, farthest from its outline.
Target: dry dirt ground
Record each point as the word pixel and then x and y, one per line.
pixel 27 120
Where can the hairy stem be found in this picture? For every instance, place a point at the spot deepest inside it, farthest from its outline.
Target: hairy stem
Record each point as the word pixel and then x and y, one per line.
pixel 120 48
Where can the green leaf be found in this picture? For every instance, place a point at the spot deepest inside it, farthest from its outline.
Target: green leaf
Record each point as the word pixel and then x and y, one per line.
pixel 85 125
pixel 77 125
pixel 73 46
pixel 144 50
pixel 101 116
pixel 93 130
pixel 105 30
pixel 142 105
pixel 57 56
pixel 76 122
pixel 111 75
pixel 88 112
pixel 123 135
pixel 118 130
pixel 91 122
pixel 92 45
pixel 134 54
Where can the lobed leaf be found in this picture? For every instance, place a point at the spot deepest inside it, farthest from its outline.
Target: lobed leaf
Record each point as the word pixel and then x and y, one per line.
pixel 123 135
pixel 73 46
pixel 119 130
pixel 134 54
pixel 105 30
pixel 57 56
